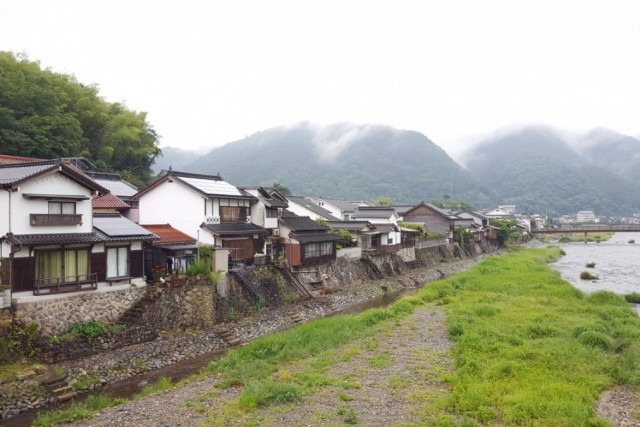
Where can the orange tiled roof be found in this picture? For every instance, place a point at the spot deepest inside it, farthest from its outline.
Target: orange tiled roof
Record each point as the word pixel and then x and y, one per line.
pixel 168 234
pixel 108 201
pixel 6 159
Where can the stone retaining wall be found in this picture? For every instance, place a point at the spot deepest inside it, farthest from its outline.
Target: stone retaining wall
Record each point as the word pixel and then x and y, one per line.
pixel 190 304
pixel 346 272
pixel 58 351
pixel 56 315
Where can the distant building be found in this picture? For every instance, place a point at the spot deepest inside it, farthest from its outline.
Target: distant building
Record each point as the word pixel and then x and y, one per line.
pixel 509 208
pixel 585 216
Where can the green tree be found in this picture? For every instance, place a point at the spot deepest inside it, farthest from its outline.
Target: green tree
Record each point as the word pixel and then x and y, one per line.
pixel 283 189
pixel 505 229
pixel 382 201
pixel 49 115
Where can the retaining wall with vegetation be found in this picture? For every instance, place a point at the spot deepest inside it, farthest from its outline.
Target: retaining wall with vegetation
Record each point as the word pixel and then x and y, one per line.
pixel 56 314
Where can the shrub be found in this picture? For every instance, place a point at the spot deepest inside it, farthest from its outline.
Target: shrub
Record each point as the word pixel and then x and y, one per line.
pixel 585 275
pixel 287 299
pixel 592 327
pixel 632 241
pixel 633 298
pixel 590 265
pixel 597 340
pixel 199 267
pixel 606 298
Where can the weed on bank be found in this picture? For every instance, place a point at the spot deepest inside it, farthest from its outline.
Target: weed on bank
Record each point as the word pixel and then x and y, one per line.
pixel 532 349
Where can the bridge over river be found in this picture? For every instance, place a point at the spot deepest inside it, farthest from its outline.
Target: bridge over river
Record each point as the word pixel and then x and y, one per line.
pixel 589 228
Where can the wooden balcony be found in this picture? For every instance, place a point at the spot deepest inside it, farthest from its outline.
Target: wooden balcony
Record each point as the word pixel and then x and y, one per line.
pixel 55 285
pixel 55 219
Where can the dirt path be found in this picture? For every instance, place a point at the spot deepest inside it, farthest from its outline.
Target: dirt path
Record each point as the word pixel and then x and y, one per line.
pixel 395 370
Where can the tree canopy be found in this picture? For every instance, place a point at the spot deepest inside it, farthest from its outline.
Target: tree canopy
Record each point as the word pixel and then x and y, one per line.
pixel 49 115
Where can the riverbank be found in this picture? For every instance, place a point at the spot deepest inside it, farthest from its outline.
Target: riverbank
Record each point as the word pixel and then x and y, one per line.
pixel 111 367
pixel 517 360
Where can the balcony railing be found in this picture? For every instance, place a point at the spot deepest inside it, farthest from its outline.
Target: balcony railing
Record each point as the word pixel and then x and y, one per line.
pixel 56 219
pixel 53 285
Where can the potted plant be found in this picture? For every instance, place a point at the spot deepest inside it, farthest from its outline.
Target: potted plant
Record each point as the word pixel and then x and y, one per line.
pixel 157 272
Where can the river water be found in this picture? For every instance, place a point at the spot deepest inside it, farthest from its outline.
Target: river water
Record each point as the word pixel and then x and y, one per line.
pixel 617 264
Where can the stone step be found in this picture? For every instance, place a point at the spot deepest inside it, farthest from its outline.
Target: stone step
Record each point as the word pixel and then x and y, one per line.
pixel 66 396
pixel 54 381
pixel 61 391
pixel 230 338
pixel 296 317
pixel 25 375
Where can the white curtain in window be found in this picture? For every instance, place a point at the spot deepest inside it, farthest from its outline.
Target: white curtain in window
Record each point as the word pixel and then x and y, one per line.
pixel 117 262
pixel 112 262
pixel 122 262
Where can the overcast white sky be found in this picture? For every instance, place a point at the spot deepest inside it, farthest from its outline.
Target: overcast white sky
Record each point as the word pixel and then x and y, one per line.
pixel 211 72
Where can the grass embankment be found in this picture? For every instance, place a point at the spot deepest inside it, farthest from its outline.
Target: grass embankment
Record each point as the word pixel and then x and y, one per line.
pixel 575 237
pixel 531 349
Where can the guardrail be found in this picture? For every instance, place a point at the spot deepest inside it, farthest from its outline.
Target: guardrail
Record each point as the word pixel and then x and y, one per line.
pixel 53 285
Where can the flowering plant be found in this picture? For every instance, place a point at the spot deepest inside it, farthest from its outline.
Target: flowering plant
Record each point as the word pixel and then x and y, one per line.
pixel 158 272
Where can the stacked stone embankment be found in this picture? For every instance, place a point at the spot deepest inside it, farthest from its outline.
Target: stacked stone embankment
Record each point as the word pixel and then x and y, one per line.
pixel 198 304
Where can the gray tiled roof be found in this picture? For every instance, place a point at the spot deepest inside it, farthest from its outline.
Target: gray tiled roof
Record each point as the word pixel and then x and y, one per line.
pixel 312 207
pixel 314 237
pixel 52 239
pixel 238 229
pixel 302 223
pixel 14 174
pixel 114 183
pixel 342 204
pixel 350 225
pixel 374 212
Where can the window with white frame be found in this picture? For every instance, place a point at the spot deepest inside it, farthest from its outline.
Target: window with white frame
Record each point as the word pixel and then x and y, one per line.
pixel 118 261
pixel 58 208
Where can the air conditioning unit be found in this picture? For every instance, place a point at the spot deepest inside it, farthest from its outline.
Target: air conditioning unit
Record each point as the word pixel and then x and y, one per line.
pixel 275 232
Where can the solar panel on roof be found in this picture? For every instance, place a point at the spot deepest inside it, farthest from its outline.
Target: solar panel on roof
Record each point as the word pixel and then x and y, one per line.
pixel 118 188
pixel 118 226
pixel 209 186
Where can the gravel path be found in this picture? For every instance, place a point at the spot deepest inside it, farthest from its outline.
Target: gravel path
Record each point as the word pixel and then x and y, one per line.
pixel 415 349
pixel 393 369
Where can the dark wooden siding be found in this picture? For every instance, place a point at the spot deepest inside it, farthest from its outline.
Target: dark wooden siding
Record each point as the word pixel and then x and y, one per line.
pixel 137 262
pixel 241 250
pixel 99 265
pixel 292 253
pixel 23 274
pixel 433 221
pixel 304 260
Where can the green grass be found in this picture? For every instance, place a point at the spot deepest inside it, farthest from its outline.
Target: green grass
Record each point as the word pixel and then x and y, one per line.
pixel 577 237
pixel 77 412
pixel 531 349
pixel 254 365
pixel 162 384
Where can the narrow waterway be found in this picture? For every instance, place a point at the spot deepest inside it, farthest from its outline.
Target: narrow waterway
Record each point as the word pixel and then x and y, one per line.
pixel 617 264
pixel 126 389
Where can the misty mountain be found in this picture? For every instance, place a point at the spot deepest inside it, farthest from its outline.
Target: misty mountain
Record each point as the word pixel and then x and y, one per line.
pixel 536 170
pixel 617 153
pixel 177 158
pixel 347 161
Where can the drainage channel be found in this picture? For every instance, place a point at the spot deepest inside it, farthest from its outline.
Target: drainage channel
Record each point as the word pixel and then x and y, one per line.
pixel 180 370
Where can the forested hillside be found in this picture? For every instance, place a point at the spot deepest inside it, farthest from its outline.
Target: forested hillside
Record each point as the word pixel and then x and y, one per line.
pixel 617 153
pixel 349 161
pixel 539 172
pixel 49 115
